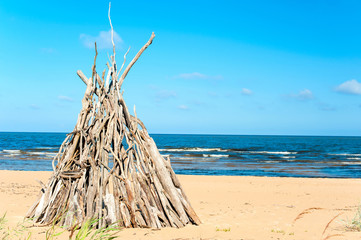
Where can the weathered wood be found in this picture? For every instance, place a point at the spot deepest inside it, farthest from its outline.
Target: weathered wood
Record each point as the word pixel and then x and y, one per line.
pixel 125 73
pixel 110 205
pixel 109 167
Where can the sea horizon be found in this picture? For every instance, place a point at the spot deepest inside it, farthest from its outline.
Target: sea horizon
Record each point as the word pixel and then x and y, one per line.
pixel 212 154
pixel 206 134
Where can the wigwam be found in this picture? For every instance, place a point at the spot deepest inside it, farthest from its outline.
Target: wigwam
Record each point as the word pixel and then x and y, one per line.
pixel 109 168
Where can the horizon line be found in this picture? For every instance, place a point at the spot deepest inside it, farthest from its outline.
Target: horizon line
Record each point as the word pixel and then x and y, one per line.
pixel 208 134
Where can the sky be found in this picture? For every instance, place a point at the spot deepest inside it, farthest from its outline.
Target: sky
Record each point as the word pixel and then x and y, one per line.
pixel 214 67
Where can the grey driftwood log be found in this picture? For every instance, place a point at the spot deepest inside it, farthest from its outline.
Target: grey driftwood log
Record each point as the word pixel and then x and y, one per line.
pixel 109 168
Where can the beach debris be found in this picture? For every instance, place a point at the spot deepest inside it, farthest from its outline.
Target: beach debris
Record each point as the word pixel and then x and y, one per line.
pixel 109 168
pixel 328 224
pixel 306 211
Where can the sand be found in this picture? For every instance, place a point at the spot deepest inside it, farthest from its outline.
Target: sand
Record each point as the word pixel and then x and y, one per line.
pixel 230 207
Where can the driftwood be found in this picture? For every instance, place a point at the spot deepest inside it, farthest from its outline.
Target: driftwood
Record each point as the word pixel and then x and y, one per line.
pixel 109 168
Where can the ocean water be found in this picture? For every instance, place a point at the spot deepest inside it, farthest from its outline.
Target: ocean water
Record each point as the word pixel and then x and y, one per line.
pixel 285 156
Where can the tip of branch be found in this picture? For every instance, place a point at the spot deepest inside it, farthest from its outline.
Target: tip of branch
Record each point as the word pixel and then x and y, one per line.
pixel 151 38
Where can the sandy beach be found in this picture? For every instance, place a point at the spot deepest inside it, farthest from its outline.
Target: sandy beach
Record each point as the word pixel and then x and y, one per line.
pixel 230 207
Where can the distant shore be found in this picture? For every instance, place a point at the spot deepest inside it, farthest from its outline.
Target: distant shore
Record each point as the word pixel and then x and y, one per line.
pixel 230 207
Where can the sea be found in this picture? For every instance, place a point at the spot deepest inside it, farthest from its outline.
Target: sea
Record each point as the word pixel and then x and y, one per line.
pixel 232 155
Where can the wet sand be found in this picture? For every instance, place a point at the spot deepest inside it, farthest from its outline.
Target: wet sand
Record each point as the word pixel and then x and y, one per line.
pixel 230 207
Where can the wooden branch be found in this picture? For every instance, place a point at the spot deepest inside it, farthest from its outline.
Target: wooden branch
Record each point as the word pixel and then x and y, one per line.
pixel 139 190
pixel 125 58
pixel 87 81
pixel 125 73
pixel 112 31
pixel 83 77
pixel 94 65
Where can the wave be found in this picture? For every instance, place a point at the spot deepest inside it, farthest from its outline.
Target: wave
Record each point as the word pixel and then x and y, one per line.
pixel 11 151
pixel 288 157
pixel 51 154
pixel 193 150
pixel 174 159
pixel 41 153
pixel 10 155
pixel 46 148
pixel 354 158
pixel 215 155
pixel 225 150
pixel 269 152
pixel 346 154
pixel 348 163
pixel 36 153
pixel 194 155
pixel 31 154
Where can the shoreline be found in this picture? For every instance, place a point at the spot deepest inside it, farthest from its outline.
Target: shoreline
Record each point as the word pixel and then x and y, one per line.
pixel 213 175
pixel 230 207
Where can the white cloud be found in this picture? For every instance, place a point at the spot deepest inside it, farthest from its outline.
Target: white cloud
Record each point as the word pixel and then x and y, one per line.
pixel 103 40
pixel 197 75
pixel 246 91
pixel 303 95
pixel 65 98
pixel 349 87
pixel 183 107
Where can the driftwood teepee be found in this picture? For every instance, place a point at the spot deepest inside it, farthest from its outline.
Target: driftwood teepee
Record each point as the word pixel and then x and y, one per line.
pixel 109 168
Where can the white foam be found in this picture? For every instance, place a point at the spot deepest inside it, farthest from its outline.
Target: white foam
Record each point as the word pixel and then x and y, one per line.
pixel 193 150
pixel 288 157
pixel 10 155
pixel 11 151
pixel 45 148
pixel 51 154
pixel 37 153
pixel 354 158
pixel 215 155
pixel 184 158
pixel 269 152
pixel 349 163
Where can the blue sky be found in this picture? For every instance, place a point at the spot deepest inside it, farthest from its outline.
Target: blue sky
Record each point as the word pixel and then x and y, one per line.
pixel 215 67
